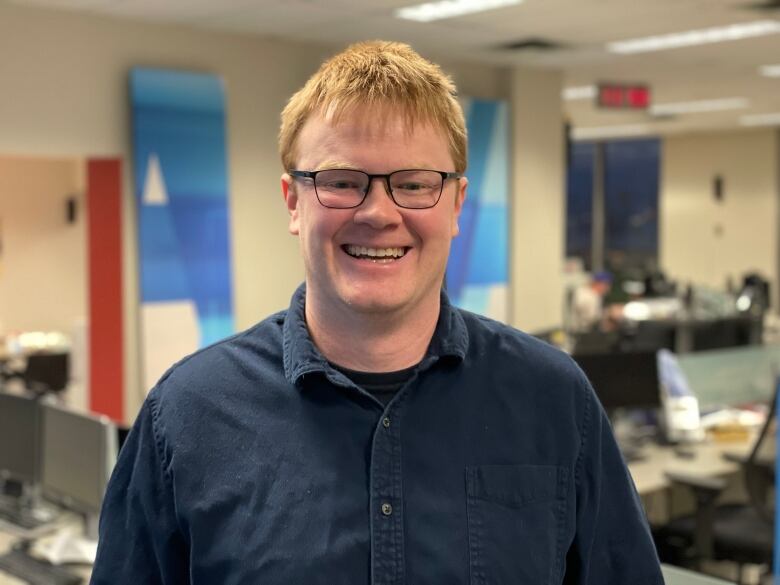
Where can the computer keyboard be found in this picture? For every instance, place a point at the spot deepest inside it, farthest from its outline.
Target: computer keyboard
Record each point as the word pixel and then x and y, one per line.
pixel 22 566
pixel 22 519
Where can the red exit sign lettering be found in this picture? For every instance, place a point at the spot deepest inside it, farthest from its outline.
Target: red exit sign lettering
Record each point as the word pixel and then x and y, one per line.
pixel 623 96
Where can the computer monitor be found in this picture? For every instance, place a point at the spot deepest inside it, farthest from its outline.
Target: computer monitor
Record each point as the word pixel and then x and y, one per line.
pixel 722 333
pixel 78 453
pixel 19 437
pixel 47 372
pixel 623 380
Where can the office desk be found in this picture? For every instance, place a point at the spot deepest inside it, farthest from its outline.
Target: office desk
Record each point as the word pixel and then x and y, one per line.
pixel 649 473
pixel 7 540
pixel 677 576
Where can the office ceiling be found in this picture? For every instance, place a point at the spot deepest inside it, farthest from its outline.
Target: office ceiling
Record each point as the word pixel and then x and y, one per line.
pixel 580 27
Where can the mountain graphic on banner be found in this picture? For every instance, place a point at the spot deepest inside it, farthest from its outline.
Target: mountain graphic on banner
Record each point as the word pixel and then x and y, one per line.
pixel 155 192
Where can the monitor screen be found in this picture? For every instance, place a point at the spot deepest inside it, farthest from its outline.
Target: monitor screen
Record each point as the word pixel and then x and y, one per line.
pixel 47 372
pixel 77 456
pixel 623 380
pixel 19 437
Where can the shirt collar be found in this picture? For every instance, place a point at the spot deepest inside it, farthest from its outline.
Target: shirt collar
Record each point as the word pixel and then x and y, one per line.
pixel 450 339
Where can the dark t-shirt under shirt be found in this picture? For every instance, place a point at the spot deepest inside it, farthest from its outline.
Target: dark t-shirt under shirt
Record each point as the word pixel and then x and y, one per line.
pixel 382 385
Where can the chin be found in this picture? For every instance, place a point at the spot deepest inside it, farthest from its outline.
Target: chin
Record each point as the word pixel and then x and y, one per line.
pixel 373 306
pixel 374 299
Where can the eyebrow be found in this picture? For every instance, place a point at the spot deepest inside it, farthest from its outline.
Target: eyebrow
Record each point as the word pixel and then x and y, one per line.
pixel 337 164
pixel 334 164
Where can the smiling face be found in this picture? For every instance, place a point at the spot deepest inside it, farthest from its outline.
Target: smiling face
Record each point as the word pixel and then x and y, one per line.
pixel 378 257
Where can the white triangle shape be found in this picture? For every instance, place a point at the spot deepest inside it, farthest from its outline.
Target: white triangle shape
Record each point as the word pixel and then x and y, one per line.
pixel 155 192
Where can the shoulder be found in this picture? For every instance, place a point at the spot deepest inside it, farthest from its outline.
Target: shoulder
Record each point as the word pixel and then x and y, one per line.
pixel 488 337
pixel 499 349
pixel 225 367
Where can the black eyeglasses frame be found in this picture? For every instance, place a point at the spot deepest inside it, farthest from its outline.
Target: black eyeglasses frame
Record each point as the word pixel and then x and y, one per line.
pixel 386 179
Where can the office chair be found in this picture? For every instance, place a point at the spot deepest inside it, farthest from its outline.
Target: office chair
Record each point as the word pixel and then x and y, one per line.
pixel 742 533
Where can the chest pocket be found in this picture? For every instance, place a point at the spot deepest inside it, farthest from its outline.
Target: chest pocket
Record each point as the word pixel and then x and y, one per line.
pixel 516 517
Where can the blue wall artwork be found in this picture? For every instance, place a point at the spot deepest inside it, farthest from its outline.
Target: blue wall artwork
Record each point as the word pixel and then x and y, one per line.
pixel 181 193
pixel 477 272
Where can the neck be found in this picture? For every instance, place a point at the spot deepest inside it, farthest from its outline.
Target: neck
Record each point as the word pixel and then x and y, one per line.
pixel 371 342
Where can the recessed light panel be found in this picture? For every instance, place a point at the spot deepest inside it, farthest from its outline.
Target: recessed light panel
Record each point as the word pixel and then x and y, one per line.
pixel 450 8
pixel 770 70
pixel 733 32
pixel 699 106
pixel 772 119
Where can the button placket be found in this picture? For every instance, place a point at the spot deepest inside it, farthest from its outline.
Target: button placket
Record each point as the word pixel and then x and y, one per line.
pixel 387 545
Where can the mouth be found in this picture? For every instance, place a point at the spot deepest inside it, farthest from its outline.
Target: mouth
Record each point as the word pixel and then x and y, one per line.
pixel 376 255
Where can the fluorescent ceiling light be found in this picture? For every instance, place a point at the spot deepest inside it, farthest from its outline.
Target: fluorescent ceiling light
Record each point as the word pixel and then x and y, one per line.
pixel 691 38
pixel 450 8
pixel 699 106
pixel 770 70
pixel 584 92
pixel 761 119
pixel 594 132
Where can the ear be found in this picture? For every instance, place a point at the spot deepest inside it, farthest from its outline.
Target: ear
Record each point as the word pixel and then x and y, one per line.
pixel 460 197
pixel 291 200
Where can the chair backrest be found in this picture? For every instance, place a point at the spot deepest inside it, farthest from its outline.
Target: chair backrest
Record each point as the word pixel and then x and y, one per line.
pixel 759 475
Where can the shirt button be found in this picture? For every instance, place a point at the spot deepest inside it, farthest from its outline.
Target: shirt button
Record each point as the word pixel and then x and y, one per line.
pixel 386 422
pixel 387 509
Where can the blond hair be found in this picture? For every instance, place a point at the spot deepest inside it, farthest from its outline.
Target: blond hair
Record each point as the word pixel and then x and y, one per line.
pixel 377 73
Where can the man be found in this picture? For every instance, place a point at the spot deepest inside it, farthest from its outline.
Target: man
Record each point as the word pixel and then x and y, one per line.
pixel 372 433
pixel 587 306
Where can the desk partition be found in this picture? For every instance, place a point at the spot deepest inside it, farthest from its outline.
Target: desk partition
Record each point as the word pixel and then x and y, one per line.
pixel 726 377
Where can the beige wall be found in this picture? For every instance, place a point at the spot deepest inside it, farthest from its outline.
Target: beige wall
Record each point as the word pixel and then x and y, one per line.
pixel 538 205
pixel 703 241
pixel 43 280
pixel 65 94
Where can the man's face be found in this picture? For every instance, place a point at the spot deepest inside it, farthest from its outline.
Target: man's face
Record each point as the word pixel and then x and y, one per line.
pixel 375 142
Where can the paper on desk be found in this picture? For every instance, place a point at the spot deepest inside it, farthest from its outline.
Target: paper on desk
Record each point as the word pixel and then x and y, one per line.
pixel 733 416
pixel 65 546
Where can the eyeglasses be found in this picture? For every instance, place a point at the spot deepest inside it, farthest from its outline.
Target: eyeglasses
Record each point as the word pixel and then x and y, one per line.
pixel 347 188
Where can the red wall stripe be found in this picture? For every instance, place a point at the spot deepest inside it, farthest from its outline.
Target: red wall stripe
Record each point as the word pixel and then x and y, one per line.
pixel 104 242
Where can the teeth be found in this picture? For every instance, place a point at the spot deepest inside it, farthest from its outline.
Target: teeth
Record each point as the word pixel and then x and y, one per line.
pixel 375 252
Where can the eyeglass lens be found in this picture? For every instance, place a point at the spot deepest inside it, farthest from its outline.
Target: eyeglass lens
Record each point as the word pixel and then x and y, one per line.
pixel 415 189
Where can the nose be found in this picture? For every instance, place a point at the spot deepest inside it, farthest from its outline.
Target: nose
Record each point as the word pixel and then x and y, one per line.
pixel 378 209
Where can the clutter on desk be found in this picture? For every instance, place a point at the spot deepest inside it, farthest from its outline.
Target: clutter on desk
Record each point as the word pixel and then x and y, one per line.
pixel 38 360
pixel 657 313
pixel 731 425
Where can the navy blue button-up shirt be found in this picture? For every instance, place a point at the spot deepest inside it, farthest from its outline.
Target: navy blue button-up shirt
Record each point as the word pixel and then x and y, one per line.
pixel 255 461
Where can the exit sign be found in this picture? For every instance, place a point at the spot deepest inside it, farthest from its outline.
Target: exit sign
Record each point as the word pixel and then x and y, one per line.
pixel 623 96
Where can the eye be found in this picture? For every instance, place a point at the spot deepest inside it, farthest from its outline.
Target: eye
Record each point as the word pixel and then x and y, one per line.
pixel 339 185
pixel 414 187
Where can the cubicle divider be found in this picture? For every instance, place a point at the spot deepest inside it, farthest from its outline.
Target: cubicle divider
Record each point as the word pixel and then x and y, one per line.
pixel 726 377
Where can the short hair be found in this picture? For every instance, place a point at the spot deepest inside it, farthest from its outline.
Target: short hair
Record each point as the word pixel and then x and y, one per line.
pixel 383 74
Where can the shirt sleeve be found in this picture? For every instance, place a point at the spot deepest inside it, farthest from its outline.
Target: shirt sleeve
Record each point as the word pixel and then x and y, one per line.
pixel 140 540
pixel 612 543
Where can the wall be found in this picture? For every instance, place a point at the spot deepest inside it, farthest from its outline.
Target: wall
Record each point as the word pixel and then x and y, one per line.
pixel 43 278
pixel 539 204
pixel 43 285
pixel 65 94
pixel 705 241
